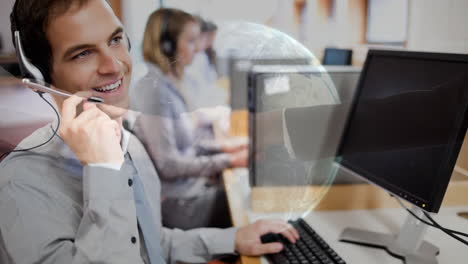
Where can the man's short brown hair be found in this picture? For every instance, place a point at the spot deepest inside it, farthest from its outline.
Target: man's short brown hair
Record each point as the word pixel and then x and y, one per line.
pixel 31 18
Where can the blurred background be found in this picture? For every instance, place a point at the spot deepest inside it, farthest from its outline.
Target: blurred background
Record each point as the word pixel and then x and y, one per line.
pixel 328 32
pixel 352 24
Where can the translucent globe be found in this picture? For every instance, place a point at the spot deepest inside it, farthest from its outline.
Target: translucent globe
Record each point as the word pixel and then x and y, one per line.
pixel 291 118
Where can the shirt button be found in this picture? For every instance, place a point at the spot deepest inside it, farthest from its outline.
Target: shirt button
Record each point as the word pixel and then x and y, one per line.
pixel 133 240
pixel 130 182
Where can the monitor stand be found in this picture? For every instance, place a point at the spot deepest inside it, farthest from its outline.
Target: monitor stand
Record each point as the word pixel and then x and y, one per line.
pixel 407 245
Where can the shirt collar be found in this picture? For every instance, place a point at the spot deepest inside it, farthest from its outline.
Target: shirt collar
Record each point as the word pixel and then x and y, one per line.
pixel 125 140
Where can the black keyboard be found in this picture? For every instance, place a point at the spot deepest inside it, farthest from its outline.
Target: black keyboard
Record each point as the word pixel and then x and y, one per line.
pixel 310 248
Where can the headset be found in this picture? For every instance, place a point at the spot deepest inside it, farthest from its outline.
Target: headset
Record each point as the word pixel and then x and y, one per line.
pixel 34 79
pixel 168 44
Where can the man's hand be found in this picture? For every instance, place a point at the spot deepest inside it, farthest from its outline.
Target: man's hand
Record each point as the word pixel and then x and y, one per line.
pixel 248 238
pixel 91 135
pixel 239 159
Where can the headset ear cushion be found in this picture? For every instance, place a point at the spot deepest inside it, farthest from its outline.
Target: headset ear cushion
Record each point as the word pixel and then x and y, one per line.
pixel 166 47
pixel 129 44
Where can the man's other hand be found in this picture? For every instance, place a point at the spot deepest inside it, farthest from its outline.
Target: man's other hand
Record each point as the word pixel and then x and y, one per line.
pixel 248 238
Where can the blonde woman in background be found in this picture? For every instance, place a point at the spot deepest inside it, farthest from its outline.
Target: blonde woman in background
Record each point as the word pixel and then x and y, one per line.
pixel 189 165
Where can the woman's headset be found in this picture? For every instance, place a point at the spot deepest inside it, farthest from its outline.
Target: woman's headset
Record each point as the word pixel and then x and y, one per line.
pixel 168 44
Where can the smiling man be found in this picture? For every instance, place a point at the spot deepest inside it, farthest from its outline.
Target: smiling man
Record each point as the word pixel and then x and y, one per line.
pixel 91 194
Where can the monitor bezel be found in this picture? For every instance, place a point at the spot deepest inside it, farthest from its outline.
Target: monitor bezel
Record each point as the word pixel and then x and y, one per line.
pixel 446 169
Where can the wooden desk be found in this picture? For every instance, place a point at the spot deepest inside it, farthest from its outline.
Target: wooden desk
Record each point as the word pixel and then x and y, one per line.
pixel 239 126
pixel 270 201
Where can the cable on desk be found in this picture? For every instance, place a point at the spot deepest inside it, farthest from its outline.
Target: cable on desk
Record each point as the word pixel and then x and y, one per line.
pixel 447 231
pixel 424 221
pixel 450 232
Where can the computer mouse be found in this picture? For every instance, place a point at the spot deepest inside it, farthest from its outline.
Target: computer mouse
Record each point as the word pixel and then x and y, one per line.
pixel 270 238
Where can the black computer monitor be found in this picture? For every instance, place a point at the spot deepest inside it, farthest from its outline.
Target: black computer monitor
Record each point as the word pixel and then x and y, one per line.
pixel 405 131
pixel 238 72
pixel 333 56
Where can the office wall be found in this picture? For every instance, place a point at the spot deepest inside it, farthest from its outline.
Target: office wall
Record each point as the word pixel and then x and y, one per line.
pixel 278 14
pixel 433 25
pixel 334 23
pixel 5 9
pixel 436 25
pixel 134 17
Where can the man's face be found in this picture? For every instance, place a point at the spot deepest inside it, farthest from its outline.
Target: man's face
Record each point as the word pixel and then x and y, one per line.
pixel 90 53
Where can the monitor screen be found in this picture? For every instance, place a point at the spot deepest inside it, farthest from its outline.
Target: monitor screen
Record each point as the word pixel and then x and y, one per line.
pixel 337 56
pixel 407 123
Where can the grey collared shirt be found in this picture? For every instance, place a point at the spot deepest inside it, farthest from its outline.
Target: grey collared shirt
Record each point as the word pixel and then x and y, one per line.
pixel 54 210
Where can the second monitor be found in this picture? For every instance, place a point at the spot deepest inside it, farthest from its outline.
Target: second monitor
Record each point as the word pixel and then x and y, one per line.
pixel 307 105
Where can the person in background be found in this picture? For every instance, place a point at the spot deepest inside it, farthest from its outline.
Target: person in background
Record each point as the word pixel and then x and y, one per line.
pixel 208 99
pixel 189 165
pixel 201 76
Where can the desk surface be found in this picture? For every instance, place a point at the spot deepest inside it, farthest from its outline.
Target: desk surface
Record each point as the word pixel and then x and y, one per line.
pixel 330 223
